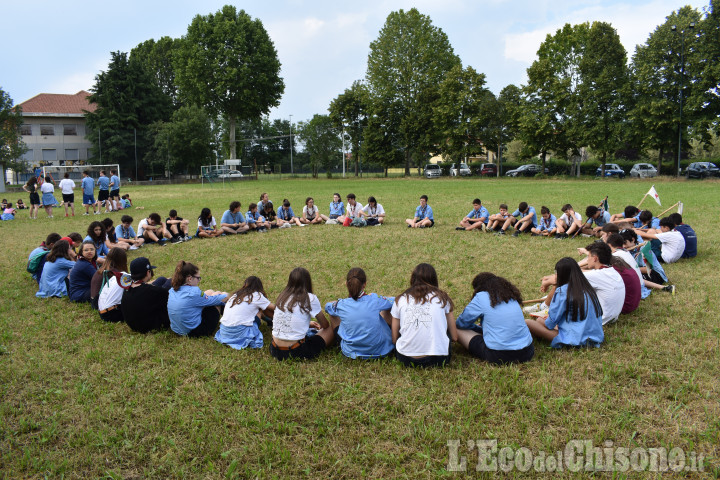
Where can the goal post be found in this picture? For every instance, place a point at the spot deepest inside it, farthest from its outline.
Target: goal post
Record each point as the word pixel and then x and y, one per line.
pixel 57 172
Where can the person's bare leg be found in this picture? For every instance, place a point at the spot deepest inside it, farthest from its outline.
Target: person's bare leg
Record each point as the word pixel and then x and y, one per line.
pixel 465 337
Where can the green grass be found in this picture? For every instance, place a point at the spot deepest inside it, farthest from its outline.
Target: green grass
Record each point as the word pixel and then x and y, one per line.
pixel 81 398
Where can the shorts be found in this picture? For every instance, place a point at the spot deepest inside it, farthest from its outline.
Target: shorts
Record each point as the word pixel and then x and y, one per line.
pixel 103 195
pixel 114 193
pixel 334 217
pixel 654 277
pixel 477 348
pixel 68 197
pixel 432 223
pixel 34 198
pixel 306 348
pixel 429 361
pixel 88 199
pixel 209 321
pixel 372 221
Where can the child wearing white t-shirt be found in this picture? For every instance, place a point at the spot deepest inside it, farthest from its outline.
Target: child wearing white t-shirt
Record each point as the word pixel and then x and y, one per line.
pixel 423 324
pixel 239 325
pixel 310 214
pixel 669 244
pixel 373 212
pixel 294 310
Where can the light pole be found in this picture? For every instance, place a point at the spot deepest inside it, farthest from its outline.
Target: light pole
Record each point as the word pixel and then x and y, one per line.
pixel 292 171
pixel 682 80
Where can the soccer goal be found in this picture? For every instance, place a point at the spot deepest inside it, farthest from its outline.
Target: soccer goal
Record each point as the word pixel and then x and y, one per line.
pixel 57 172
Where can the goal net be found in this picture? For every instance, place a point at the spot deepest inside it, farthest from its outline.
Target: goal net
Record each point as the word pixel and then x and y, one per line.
pixel 57 172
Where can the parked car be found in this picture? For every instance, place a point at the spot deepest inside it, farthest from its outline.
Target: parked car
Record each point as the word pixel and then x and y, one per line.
pixel 460 169
pixel 643 170
pixel 611 170
pixel 432 170
pixel 488 170
pixel 702 170
pixel 218 173
pixel 231 174
pixel 529 170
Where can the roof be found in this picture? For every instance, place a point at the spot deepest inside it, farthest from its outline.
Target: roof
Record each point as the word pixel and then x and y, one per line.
pixel 58 104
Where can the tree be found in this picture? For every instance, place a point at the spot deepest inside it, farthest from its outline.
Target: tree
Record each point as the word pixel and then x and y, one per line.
pixel 600 109
pixel 11 144
pixel 705 98
pixel 349 111
pixel 128 101
pixel 322 142
pixel 227 63
pixel 465 113
pixel 183 144
pixel 407 62
pixel 157 57
pixel 656 83
pixel 553 81
pixel 508 114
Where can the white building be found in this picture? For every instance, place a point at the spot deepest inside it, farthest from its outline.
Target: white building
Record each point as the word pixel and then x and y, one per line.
pixel 54 129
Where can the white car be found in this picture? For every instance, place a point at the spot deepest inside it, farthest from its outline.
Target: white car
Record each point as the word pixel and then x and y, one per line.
pixel 643 170
pixel 231 174
pixel 463 170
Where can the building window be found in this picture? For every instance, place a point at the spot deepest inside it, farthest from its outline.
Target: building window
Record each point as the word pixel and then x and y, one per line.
pixel 72 154
pixel 49 155
pixel 26 130
pixel 47 130
pixel 70 130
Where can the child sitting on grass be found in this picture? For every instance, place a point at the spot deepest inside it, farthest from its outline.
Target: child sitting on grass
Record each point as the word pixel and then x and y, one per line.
pixel 295 308
pixel 496 221
pixel 239 325
pixel 207 227
pixel 477 219
pixel 575 315
pixel 492 326
pixel 546 225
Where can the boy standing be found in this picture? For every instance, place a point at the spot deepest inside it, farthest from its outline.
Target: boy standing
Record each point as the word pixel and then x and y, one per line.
pixel 114 189
pixel 88 186
pixel 104 191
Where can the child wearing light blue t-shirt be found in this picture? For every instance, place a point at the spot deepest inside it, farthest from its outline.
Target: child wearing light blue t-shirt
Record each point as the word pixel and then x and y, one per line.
pixel 575 316
pixel 364 319
pixel 492 327
pixel 546 224
pixel 423 215
pixel 477 219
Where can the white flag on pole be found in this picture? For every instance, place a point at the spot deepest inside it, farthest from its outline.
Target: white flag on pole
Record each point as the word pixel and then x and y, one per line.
pixel 680 207
pixel 653 193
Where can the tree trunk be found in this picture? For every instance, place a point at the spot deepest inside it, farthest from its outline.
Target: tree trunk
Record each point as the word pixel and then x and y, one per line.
pixel 659 167
pixel 357 160
pixel 544 154
pixel 407 162
pixel 386 172
pixel 602 170
pixel 232 138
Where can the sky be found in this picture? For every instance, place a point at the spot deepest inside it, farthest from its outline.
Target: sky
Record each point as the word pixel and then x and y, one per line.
pixel 59 47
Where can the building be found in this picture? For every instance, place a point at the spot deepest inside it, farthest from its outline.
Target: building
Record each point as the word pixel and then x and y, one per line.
pixel 54 129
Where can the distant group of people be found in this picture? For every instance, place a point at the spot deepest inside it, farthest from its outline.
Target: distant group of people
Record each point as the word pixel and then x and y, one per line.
pixel 108 194
pixel 622 267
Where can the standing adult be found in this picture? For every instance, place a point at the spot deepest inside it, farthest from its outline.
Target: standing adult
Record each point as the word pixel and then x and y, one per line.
pixel 103 183
pixel 48 196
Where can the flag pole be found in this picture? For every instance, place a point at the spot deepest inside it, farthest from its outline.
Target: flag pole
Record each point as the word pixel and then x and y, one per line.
pixel 641 201
pixel 663 213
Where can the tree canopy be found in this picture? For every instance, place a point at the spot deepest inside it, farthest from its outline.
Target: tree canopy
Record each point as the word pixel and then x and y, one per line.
pixel 227 63
pixel 11 144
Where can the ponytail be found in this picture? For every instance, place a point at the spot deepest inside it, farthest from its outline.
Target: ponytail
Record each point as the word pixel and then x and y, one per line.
pixel 356 280
pixel 182 271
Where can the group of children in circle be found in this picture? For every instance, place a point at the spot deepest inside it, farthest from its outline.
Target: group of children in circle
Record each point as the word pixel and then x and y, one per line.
pixel 418 325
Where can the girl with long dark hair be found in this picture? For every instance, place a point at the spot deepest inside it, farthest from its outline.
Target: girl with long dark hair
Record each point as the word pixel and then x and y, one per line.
pixel 32 187
pixel 82 273
pixel 240 323
pixel 58 263
pixel 423 324
pixel 295 308
pixel 492 327
pixel 207 227
pixel 575 315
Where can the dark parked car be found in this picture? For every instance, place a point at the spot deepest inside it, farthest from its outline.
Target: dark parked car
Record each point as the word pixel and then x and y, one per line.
pixel 702 170
pixel 529 170
pixel 611 170
pixel 488 170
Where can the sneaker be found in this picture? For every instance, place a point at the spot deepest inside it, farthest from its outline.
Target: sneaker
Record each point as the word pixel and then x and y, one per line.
pixel 86 213
pixel 66 214
pixel 303 225
pixel 585 235
pixel 533 234
pixel 501 232
pixel 162 242
pixel 187 238
pixel 670 289
pixel 176 240
pixel 459 228
pixel 133 247
pixel 421 226
pixel 409 226
pixel 516 233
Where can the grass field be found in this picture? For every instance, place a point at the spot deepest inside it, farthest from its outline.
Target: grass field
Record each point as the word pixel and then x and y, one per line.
pixel 85 399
